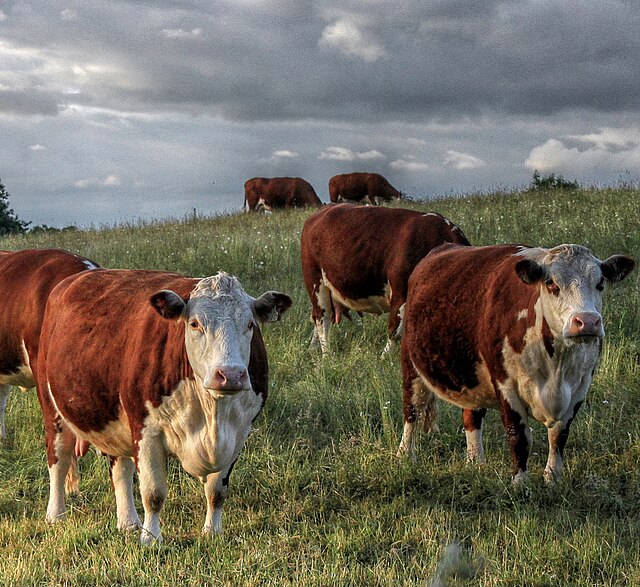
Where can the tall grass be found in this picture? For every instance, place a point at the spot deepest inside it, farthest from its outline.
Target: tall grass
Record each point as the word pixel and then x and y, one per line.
pixel 318 497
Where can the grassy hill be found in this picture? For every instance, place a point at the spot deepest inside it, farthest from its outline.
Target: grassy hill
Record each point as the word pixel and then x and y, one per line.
pixel 318 497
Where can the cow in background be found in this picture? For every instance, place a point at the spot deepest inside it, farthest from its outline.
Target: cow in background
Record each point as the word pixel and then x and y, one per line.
pixel 508 327
pixel 145 365
pixel 26 280
pixel 267 194
pixel 360 258
pixel 366 188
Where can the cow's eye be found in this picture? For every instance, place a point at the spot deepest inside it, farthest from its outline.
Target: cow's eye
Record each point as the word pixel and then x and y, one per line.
pixel 600 285
pixel 194 324
pixel 552 287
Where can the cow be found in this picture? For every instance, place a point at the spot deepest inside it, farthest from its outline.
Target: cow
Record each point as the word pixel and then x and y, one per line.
pixel 368 188
pixel 26 279
pixel 511 327
pixel 145 365
pixel 360 258
pixel 267 194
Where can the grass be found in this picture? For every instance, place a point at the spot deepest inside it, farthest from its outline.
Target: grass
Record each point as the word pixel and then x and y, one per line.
pixel 318 497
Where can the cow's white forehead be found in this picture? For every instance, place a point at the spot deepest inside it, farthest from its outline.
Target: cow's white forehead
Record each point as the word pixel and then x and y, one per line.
pixel 218 292
pixel 562 255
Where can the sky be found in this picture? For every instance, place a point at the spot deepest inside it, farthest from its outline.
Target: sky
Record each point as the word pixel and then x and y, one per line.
pixel 124 110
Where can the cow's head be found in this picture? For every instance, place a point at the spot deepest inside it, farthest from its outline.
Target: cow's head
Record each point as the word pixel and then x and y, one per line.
pixel 220 318
pixel 571 283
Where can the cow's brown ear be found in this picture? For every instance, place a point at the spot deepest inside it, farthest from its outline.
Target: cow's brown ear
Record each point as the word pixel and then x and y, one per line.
pixel 529 271
pixel 617 267
pixel 168 304
pixel 270 306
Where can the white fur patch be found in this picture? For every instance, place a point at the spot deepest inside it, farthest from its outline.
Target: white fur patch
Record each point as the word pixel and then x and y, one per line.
pixel 371 304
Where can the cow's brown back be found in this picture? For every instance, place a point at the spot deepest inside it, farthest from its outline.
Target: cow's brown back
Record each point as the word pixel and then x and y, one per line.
pixel 361 187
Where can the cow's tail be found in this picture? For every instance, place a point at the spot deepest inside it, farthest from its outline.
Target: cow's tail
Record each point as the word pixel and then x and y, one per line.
pixel 72 481
pixel 426 408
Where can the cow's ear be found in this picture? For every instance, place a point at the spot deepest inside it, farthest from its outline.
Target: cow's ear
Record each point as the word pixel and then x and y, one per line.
pixel 617 267
pixel 529 271
pixel 271 305
pixel 168 304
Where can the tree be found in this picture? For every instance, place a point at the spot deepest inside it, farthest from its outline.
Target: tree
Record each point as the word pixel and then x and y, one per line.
pixel 9 222
pixel 551 182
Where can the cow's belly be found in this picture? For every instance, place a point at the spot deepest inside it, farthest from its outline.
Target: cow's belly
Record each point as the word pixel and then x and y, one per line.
pixel 205 434
pixel 19 375
pixel 482 395
pixel 373 304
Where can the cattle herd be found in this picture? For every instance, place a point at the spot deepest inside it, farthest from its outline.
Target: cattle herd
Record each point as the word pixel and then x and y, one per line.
pixel 147 365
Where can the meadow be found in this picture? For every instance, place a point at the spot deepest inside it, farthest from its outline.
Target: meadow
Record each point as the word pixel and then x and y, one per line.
pixel 318 496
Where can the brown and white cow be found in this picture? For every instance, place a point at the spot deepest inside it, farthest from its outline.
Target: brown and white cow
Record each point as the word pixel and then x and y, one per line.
pixel 145 365
pixel 368 188
pixel 508 327
pixel 26 279
pixel 267 194
pixel 360 258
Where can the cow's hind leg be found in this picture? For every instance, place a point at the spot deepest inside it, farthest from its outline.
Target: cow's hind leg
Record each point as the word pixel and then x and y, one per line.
pixel 121 471
pixel 473 422
pixel 60 444
pixel 4 396
pixel 321 315
pixel 152 471
pixel 419 407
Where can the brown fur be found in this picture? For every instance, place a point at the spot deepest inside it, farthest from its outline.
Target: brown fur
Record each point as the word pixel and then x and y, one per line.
pixel 360 249
pixel 279 192
pixel 361 187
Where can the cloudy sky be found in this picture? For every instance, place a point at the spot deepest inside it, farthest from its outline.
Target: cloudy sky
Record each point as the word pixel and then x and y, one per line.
pixel 127 109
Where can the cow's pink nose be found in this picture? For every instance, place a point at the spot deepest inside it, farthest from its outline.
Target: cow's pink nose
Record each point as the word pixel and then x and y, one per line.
pixel 585 324
pixel 229 378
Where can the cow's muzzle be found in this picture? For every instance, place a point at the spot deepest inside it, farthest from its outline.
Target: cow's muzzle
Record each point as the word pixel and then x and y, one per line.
pixel 584 325
pixel 228 380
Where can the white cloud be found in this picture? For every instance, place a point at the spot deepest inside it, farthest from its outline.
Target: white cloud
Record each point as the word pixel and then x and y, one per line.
pixel 612 152
pixel 181 33
pixel 347 38
pixel 69 14
pixel 461 161
pixel 409 164
pixel 37 147
pixel 284 154
pixel 3 16
pixel 344 154
pixel 109 181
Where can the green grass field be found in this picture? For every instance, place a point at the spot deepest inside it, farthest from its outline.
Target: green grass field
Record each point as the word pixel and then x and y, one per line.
pixel 318 497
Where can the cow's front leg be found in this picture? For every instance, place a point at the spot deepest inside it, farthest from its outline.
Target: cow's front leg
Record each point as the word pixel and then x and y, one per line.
pixel 515 421
pixel 473 423
pixel 558 435
pixel 4 396
pixel 216 488
pixel 121 471
pixel 152 471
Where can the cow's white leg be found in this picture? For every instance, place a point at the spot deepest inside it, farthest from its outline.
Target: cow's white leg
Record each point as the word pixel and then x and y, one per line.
pixel 4 396
pixel 122 470
pixel 152 471
pixel 216 488
pixel 516 423
pixel 553 469
pixel 323 324
pixel 391 344
pixel 408 443
pixel 473 425
pixel 63 445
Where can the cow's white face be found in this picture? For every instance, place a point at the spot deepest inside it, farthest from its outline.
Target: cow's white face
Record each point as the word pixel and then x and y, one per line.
pixel 571 282
pixel 220 319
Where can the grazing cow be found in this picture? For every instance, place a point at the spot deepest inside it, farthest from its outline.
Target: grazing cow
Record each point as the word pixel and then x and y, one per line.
pixel 368 188
pixel 508 327
pixel 26 279
pixel 145 365
pixel 360 258
pixel 267 194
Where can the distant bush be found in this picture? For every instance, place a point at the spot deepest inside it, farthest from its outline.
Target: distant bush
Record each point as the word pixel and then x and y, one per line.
pixel 42 228
pixel 9 222
pixel 551 182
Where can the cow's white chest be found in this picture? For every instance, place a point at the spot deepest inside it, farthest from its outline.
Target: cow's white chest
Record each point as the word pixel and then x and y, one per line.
pixel 551 386
pixel 204 433
pixel 371 304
